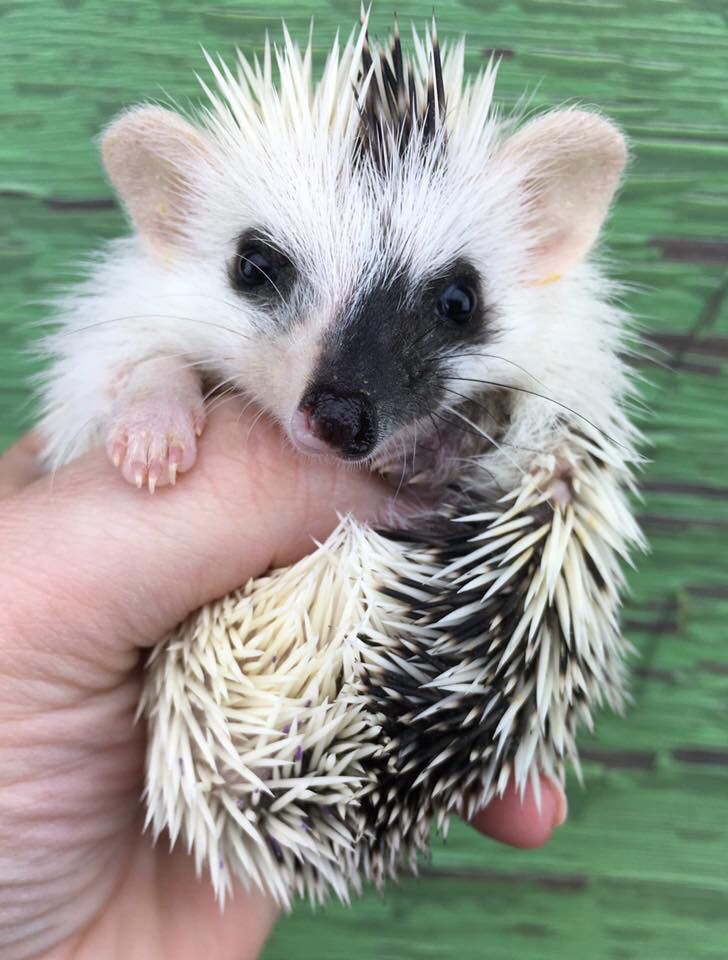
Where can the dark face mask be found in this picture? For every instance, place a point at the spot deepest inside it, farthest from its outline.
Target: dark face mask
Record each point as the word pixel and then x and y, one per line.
pixel 383 364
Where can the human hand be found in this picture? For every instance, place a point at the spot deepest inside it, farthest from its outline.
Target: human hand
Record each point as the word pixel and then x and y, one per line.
pixel 92 572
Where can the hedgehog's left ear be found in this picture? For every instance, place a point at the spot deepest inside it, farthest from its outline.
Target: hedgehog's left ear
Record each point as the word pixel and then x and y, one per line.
pixel 573 162
pixel 149 154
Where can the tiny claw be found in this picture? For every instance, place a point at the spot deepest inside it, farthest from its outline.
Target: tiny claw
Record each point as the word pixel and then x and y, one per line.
pixel 154 472
pixel 198 422
pixel 139 476
pixel 117 454
pixel 172 473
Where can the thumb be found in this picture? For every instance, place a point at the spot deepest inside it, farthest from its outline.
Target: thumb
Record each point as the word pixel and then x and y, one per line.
pixel 132 565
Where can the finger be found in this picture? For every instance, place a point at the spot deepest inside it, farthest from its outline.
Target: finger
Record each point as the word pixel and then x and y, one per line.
pixel 140 563
pixel 520 822
pixel 19 464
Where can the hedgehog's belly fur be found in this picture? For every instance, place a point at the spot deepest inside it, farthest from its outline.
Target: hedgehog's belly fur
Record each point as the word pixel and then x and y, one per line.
pixel 305 732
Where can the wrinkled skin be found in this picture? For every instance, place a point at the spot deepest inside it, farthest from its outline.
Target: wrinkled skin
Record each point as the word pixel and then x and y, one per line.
pixel 92 572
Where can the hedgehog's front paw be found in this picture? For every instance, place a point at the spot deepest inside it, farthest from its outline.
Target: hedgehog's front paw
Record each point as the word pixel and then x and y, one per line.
pixel 153 439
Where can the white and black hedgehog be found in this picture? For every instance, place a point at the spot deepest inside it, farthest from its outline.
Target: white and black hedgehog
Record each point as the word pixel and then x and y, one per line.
pixel 401 277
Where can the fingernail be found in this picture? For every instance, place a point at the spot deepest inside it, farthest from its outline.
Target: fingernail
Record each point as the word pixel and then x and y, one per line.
pixel 561 804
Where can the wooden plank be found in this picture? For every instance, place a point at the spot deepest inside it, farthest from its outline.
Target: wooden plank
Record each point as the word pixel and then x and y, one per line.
pixel 640 868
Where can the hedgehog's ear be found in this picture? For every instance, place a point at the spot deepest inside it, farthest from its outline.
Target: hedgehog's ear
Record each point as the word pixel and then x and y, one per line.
pixel 574 162
pixel 148 155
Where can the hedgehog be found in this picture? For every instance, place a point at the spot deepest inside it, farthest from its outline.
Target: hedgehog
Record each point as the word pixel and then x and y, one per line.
pixel 404 278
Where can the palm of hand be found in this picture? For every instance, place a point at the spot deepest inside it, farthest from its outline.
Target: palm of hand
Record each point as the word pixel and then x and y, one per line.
pixel 73 816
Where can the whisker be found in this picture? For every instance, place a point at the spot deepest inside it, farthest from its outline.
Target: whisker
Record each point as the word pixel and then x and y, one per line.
pixel 252 426
pixel 540 396
pixel 482 406
pixel 246 406
pixel 424 335
pixel 486 436
pixel 220 399
pixel 403 470
pixel 200 296
pixel 74 331
pixel 456 426
pixel 495 356
pixel 219 385
pixel 414 446
pixel 268 241
pixel 479 463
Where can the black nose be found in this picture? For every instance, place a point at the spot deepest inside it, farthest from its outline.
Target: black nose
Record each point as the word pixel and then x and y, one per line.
pixel 346 421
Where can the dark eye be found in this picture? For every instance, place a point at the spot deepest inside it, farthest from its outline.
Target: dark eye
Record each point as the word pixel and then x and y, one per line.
pixel 254 268
pixel 260 270
pixel 457 302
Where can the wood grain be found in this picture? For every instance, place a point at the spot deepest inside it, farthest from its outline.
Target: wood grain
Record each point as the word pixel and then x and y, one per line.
pixel 641 868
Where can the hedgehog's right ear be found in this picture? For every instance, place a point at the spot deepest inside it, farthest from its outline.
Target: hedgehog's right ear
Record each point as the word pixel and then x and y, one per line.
pixel 148 154
pixel 572 162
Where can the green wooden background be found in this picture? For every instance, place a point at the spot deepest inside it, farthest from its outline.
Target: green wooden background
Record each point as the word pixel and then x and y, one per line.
pixel 640 870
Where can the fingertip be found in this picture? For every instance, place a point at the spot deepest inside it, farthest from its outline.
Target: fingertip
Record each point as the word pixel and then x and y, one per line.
pixel 519 821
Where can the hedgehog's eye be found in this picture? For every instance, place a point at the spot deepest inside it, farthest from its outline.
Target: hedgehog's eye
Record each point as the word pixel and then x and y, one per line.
pixel 260 269
pixel 254 269
pixel 457 302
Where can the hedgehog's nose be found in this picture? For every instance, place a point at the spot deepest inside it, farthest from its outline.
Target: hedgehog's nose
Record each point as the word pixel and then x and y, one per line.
pixel 339 423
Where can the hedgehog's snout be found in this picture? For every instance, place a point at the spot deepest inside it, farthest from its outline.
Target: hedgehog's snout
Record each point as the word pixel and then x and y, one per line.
pixel 328 421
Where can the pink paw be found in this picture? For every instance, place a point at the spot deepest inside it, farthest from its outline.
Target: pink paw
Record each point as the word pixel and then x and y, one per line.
pixel 154 439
